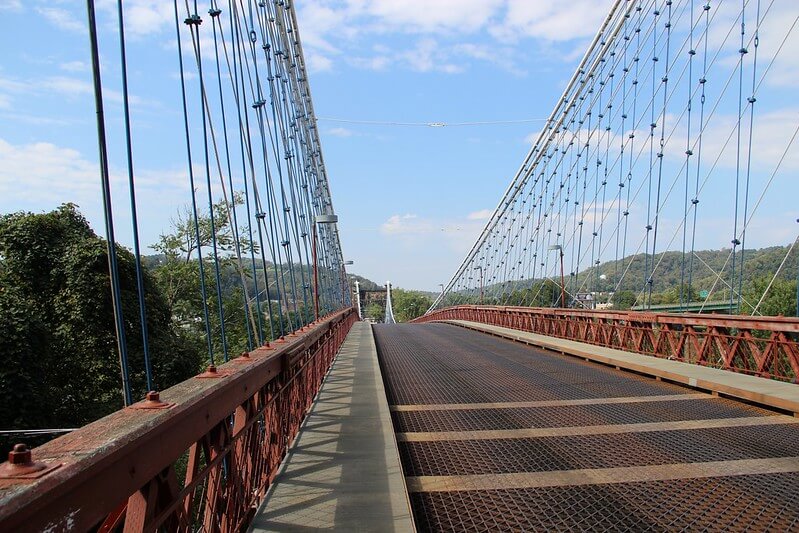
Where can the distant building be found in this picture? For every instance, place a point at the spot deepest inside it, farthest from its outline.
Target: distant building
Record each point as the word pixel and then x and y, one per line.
pixel 584 300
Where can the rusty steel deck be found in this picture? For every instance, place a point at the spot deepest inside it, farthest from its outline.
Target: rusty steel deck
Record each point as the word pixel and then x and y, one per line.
pixel 495 435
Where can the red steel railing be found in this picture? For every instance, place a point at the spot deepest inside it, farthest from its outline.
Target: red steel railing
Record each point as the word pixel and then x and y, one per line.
pixel 762 346
pixel 199 457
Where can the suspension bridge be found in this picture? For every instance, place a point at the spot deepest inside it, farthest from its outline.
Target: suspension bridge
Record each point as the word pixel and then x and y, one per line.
pixel 523 399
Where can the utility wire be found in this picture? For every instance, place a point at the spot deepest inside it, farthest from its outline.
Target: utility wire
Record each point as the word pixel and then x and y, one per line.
pixel 430 124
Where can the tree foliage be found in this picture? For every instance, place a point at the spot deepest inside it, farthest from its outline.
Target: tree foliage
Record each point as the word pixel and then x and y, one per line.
pixel 375 311
pixel 780 299
pixel 408 305
pixel 177 273
pixel 60 364
pixel 623 300
pixel 544 293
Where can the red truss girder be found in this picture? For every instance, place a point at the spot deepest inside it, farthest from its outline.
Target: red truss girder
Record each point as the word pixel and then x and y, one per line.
pixel 762 346
pixel 203 464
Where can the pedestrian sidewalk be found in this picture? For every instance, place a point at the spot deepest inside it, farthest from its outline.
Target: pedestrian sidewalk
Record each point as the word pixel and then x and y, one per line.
pixel 343 472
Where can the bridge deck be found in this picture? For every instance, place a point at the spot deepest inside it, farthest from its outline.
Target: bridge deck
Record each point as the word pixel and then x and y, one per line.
pixel 768 392
pixel 496 435
pixel 343 472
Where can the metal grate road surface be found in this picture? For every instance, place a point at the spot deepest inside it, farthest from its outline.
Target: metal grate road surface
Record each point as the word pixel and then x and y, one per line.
pixel 497 436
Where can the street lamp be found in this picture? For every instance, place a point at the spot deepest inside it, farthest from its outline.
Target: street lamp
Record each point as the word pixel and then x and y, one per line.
pixel 480 268
pixel 320 219
pixel 358 299
pixel 345 285
pixel 559 248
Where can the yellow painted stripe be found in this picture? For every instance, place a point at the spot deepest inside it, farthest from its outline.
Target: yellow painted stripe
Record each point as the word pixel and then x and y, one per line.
pixel 550 403
pixel 598 476
pixel 527 433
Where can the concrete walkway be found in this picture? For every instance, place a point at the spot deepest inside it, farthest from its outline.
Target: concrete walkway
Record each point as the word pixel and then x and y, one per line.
pixel 343 472
pixel 751 388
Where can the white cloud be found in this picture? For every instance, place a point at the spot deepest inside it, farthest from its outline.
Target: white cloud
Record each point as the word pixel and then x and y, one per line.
pixel 74 66
pixel 69 87
pixel 423 16
pixel 771 133
pixel 5 101
pixel 56 173
pixel 334 29
pixel 428 57
pixel 483 214
pixel 405 225
pixel 40 176
pixel 317 62
pixel 550 21
pixel 48 171
pixel 777 33
pixel 62 19
pixel 142 17
pixel 377 63
pixel 14 86
pixel 531 138
pixel 317 22
pixel 10 5
pixel 501 57
pixel 456 234
pixel 340 132
pixel 35 120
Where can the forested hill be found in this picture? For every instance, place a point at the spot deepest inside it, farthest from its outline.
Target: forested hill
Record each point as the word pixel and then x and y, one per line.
pixel 669 270
pixel 231 278
pixel 704 268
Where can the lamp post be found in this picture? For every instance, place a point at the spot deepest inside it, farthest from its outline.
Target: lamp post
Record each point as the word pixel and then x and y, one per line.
pixel 358 298
pixel 559 248
pixel 320 219
pixel 797 286
pixel 345 284
pixel 480 268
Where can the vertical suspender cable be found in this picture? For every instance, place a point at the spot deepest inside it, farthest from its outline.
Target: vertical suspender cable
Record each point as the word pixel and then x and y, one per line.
pixel 751 100
pixel 702 99
pixel 203 291
pixel 107 207
pixel 249 321
pixel 685 296
pixel 194 22
pixel 735 242
pixel 133 211
pixel 662 125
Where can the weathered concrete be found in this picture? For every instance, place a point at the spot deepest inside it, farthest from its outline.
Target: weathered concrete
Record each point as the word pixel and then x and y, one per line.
pixel 343 472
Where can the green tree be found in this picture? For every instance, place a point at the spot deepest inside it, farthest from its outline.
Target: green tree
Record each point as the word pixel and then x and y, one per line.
pixel 780 299
pixel 58 347
pixel 623 300
pixel 178 275
pixel 673 294
pixel 408 305
pixel 375 311
pixel 545 293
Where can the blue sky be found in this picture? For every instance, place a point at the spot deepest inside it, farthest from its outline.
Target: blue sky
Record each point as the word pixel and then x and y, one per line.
pixel 411 199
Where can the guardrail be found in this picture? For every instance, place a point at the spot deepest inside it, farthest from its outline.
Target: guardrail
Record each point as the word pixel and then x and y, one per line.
pixel 761 346
pixel 199 456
